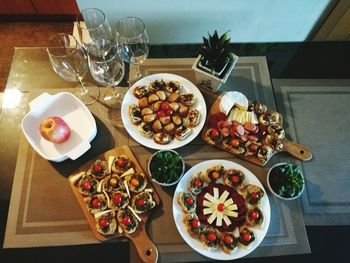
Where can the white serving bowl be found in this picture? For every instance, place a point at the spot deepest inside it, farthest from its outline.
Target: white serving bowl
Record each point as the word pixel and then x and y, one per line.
pixel 162 183
pixel 73 112
pixel 276 194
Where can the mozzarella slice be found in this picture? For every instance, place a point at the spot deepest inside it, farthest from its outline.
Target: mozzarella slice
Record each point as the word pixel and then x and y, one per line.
pixel 212 217
pixel 219 219
pixel 227 220
pixel 207 211
pixel 223 196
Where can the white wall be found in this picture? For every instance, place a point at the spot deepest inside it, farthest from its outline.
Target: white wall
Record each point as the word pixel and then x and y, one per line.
pixel 186 21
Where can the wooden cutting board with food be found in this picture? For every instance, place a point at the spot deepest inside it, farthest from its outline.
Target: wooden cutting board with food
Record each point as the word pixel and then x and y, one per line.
pixel 117 198
pixel 249 130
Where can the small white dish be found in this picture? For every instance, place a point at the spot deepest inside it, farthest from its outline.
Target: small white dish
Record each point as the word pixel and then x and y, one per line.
pixel 73 112
pixel 273 191
pixel 161 183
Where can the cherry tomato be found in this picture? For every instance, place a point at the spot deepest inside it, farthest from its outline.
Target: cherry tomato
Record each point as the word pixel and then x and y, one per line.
pixel 247 236
pixel 121 162
pixel 87 185
pixel 195 223
pixel 160 114
pixel 113 181
pixel 253 147
pixel 197 183
pixel 134 182
pixel 221 207
pixel 96 203
pixel 235 179
pixel 255 215
pixel 211 236
pixel 141 202
pixel 228 239
pixel 254 195
pixel 189 200
pixel 117 199
pixel 215 175
pixel 234 142
pixel 104 222
pixel 169 112
pixel 97 168
pixel 164 106
pixel 126 220
pixel 214 133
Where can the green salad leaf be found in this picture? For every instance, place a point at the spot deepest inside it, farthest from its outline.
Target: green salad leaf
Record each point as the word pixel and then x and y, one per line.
pixel 166 167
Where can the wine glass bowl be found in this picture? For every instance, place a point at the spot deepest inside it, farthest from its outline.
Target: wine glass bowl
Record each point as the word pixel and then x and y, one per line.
pixel 132 41
pixel 107 69
pixel 69 61
pixel 93 26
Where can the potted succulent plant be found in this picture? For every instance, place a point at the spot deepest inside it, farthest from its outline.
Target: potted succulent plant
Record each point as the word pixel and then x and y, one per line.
pixel 215 61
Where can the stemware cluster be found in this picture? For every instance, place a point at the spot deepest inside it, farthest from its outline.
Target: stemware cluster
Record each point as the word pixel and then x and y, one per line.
pixel 97 49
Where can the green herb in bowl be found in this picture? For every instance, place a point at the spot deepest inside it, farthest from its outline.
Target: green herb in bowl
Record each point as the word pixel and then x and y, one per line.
pixel 286 181
pixel 166 167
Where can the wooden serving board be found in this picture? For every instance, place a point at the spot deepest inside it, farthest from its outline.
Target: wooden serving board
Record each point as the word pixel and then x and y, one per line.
pixel 145 247
pixel 298 151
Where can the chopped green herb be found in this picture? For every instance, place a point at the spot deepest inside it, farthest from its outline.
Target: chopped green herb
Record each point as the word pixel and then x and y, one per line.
pixel 166 167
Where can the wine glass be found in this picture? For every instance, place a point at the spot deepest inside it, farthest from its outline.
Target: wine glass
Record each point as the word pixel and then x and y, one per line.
pixel 93 27
pixel 69 61
pixel 107 69
pixel 132 41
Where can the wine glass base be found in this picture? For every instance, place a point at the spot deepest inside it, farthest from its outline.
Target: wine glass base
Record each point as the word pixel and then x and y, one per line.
pixel 89 95
pixel 113 99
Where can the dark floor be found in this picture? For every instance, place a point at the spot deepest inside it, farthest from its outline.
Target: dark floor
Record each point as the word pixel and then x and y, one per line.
pixel 25 34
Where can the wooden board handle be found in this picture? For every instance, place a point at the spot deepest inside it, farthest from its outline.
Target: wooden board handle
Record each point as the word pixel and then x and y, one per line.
pixel 146 249
pixel 299 151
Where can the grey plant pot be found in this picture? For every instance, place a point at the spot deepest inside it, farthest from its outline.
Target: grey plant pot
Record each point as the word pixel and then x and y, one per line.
pixel 207 81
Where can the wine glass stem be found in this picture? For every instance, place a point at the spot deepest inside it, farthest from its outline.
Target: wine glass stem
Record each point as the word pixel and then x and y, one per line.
pixel 138 73
pixel 82 86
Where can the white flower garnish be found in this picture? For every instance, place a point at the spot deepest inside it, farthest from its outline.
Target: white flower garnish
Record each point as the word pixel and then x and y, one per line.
pixel 220 208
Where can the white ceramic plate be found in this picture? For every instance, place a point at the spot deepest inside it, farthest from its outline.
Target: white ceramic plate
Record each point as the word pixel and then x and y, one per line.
pixel 188 87
pixel 73 112
pixel 196 244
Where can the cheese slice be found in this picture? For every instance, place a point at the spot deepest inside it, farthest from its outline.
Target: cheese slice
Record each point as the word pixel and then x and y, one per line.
pixel 231 207
pixel 232 98
pixel 209 197
pixel 207 211
pixel 231 213
pixel 219 219
pixel 227 220
pixel 223 196
pixel 228 202
pixel 212 217
pixel 216 192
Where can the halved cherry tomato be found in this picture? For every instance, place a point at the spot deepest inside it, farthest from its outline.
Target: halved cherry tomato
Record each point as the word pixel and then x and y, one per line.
pixel 197 183
pixel 121 162
pixel 164 106
pixel 247 236
pixel 141 202
pixel 253 147
pixel 255 215
pixel 103 222
pixel 117 198
pixel 254 195
pixel 126 220
pixel 235 179
pixel 214 133
pixel 228 239
pixel 211 236
pixel 97 168
pixel 234 142
pixel 96 203
pixel 195 223
pixel 189 200
pixel 113 181
pixel 87 185
pixel 221 207
pixel 215 175
pixel 134 182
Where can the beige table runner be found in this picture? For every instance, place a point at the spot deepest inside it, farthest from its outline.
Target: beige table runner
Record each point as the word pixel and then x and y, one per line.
pixel 44 212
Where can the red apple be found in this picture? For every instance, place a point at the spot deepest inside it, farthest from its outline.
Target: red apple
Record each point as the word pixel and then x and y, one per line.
pixel 54 129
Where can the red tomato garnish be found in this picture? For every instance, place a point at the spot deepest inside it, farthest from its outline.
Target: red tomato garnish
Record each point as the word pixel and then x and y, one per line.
pixel 195 223
pixel 141 202
pixel 97 168
pixel 235 179
pixel 254 195
pixel 228 239
pixel 117 198
pixel 96 203
pixel 160 114
pixel 253 147
pixel 169 112
pixel 215 175
pixel 164 106
pixel 104 222
pixel 113 181
pixel 197 183
pixel 221 207
pixel 214 133
pixel 234 142
pixel 87 185
pixel 189 200
pixel 247 236
pixel 121 162
pixel 126 220
pixel 211 236
pixel 134 182
pixel 255 215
